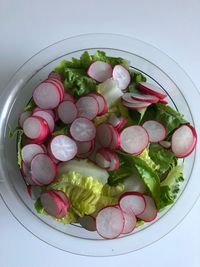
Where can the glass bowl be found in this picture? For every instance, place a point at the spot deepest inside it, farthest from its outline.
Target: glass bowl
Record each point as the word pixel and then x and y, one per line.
pixel 159 69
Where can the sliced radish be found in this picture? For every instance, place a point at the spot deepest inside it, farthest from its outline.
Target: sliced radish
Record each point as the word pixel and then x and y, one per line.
pixel 165 144
pixel 47 117
pixel 132 202
pixel 92 155
pixel 123 122
pixel 117 122
pixel 23 116
pixel 26 173
pixel 29 151
pixel 67 111
pixel 114 161
pixel 152 89
pixel 103 108
pixel 163 101
pixel 129 222
pixel 150 211
pixel 65 200
pixel 134 139
pixel 34 191
pixel 56 161
pixel 145 97
pixel 134 183
pixel 88 222
pixel 36 128
pixel 63 148
pixel 104 134
pixel 115 143
pixel 137 105
pixel 103 158
pixel 54 75
pixel 122 76
pixel 47 95
pixel 43 169
pixel 50 111
pixel 183 141
pixel 100 71
pixel 60 86
pixel 84 147
pixel 110 222
pixel 155 130
pixel 83 129
pixel 87 107
pixel 69 97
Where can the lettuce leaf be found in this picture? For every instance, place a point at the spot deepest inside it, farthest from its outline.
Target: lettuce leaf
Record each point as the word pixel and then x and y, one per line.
pixel 136 77
pixel 145 155
pixel 162 157
pixel 30 106
pixel 83 192
pixel 69 218
pixel 170 187
pixel 101 56
pixel 130 165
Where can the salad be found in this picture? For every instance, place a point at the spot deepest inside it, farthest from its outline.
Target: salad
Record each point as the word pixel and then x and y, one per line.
pixel 100 146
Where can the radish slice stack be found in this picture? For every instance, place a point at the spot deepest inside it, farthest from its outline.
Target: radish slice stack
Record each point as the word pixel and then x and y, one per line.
pixel 107 159
pixel 29 151
pixel 152 89
pixel 67 111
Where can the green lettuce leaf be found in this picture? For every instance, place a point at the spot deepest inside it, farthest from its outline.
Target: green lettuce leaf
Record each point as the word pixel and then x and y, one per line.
pixel 145 155
pixel 130 165
pixel 101 56
pixel 170 187
pixel 60 130
pixel 136 77
pixel 69 218
pixel 30 106
pixel 20 133
pixel 162 157
pixel 83 192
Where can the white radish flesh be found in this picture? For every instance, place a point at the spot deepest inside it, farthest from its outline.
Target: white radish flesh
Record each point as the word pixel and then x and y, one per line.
pixel 84 147
pixel 88 222
pixel 110 222
pixel 34 191
pixel 150 211
pixel 129 222
pixel 47 95
pixel 115 143
pixel 137 105
pixel 134 139
pixel 87 107
pixel 26 172
pixel 63 148
pixel 23 116
pixel 114 161
pixel 183 141
pixel 43 169
pixel 122 76
pixel 50 111
pixel 83 129
pixel 47 117
pixel 101 102
pixel 67 111
pixel 132 202
pixel 155 130
pixel 29 151
pixel 104 134
pixel 144 97
pixel 102 158
pixel 59 85
pixel 69 97
pixel 100 71
pixel 152 89
pixel 36 128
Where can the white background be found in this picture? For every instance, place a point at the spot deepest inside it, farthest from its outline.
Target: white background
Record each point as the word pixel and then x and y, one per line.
pixel 28 26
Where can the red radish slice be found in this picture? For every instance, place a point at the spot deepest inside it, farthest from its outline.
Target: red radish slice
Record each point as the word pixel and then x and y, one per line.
pixel 56 161
pixel 129 222
pixel 155 130
pixel 163 101
pixel 165 144
pixel 29 151
pixel 60 87
pixel 183 141
pixel 36 128
pixel 104 134
pixel 152 89
pixel 54 75
pixel 100 71
pixel 63 148
pixel 23 116
pixel 88 222
pixel 134 139
pixel 150 212
pixel 110 222
pixel 122 76
pixel 115 143
pixel 92 155
pixel 103 158
pixel 47 117
pixel 114 161
pixel 117 122
pixel 65 200
pixel 46 95
pixel 84 147
pixel 132 202
pixel 69 97
pixel 145 97
pixel 137 105
pixel 103 108
pixel 50 111
pixel 34 191
pixel 83 130
pixel 43 169
pixel 27 174
pixel 123 122
pixel 51 203
pixel 67 111
pixel 87 107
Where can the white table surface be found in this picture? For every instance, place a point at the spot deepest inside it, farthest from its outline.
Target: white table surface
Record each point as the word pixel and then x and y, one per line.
pixel 28 26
